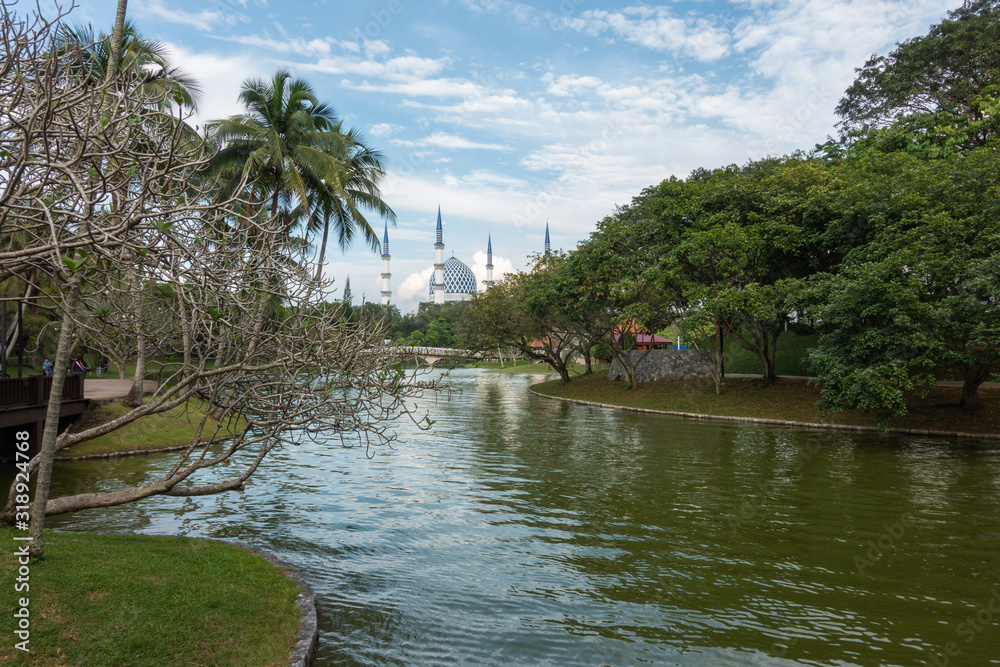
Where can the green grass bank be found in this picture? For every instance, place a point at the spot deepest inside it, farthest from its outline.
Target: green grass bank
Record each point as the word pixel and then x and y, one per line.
pixel 150 601
pixel 167 429
pixel 786 399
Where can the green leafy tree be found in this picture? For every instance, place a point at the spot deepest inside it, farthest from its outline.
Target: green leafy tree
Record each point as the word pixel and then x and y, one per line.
pixel 427 312
pixel 947 70
pixel 916 300
pixel 519 313
pixel 741 246
pixel 619 289
pixel 347 298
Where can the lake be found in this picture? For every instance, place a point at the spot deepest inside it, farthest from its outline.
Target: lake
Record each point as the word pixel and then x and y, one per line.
pixel 522 530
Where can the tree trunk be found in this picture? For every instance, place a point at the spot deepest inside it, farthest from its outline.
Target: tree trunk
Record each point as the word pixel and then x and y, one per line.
pixel 31 290
pixel 47 452
pixel 135 395
pixel 630 366
pixel 768 366
pixel 115 53
pixel 185 323
pixel 718 369
pixel 722 353
pixel 322 248
pixel 974 376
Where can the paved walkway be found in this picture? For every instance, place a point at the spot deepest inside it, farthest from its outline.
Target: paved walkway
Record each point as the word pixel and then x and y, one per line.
pixel 104 389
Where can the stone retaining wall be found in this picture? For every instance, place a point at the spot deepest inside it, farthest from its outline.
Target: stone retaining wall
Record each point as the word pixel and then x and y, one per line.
pixel 773 422
pixel 662 365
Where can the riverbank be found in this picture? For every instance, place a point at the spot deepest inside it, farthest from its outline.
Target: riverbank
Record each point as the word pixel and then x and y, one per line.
pixel 174 428
pixel 151 601
pixel 540 367
pixel 787 400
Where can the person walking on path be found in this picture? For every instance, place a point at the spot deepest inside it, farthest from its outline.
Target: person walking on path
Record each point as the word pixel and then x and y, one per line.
pixel 80 366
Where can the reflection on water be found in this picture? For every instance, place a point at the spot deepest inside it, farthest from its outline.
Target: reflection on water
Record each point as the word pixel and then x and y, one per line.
pixel 527 531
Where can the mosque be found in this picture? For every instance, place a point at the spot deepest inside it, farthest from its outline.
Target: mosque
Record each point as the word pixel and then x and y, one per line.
pixel 452 279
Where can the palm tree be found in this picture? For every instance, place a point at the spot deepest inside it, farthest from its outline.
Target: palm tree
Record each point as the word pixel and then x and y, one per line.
pixel 147 60
pixel 286 146
pixel 341 202
pixel 293 151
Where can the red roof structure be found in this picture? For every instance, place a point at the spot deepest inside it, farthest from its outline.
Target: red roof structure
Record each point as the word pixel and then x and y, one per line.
pixel 647 341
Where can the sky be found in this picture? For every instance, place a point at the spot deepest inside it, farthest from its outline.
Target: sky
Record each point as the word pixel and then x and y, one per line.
pixel 512 115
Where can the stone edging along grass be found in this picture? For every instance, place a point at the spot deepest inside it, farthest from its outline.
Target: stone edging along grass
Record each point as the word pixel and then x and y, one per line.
pixel 134 452
pixel 773 422
pixel 304 650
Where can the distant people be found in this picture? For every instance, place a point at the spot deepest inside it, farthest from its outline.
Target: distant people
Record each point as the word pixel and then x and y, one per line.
pixel 47 368
pixel 80 366
pixel 102 364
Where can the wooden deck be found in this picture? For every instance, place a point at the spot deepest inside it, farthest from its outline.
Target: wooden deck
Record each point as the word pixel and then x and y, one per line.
pixel 24 404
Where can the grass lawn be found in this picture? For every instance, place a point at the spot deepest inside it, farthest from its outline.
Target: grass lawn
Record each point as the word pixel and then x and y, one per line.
pixel 150 601
pixel 175 427
pixel 786 399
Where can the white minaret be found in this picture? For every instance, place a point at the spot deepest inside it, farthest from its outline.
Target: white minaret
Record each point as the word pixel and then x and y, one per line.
pixel 385 267
pixel 439 263
pixel 489 262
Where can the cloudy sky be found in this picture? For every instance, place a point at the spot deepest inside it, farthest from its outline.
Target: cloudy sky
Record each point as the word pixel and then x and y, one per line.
pixel 509 114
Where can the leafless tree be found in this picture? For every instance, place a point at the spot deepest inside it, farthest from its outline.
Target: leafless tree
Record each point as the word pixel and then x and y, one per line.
pixel 104 193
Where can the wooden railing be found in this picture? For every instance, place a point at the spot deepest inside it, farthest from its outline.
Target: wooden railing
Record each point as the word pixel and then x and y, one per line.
pixel 34 390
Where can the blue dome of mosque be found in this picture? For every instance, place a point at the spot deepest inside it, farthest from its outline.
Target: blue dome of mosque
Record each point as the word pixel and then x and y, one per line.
pixel 458 278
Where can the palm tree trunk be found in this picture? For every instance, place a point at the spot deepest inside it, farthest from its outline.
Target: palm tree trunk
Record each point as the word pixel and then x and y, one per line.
pixel 115 54
pixel 322 248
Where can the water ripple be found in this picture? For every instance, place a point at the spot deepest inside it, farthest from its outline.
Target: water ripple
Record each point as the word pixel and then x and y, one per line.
pixel 524 531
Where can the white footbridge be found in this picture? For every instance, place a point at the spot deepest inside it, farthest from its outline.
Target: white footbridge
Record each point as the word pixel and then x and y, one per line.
pixel 432 355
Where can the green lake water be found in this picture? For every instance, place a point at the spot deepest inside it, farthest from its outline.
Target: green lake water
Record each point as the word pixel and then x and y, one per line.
pixel 525 531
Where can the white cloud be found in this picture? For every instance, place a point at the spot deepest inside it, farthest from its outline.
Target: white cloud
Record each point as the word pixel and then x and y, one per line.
pixel 402 68
pixel 415 286
pixel 376 48
pixel 384 129
pixel 655 28
pixel 571 84
pixel 519 12
pixel 501 267
pixel 416 87
pixel 205 20
pixel 313 48
pixel 220 78
pixel 451 142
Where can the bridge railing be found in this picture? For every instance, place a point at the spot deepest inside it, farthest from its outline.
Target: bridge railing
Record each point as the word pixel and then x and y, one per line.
pixel 441 352
pixel 34 390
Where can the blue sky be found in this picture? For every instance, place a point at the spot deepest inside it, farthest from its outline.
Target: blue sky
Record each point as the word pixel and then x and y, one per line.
pixel 509 114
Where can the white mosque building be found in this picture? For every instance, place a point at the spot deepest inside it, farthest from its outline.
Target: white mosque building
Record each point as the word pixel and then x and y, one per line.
pixel 452 279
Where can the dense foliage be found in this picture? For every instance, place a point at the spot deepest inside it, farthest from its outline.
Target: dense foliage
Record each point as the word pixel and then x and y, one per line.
pixel 885 243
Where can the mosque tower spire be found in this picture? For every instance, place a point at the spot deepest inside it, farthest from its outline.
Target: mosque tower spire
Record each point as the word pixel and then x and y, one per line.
pixel 439 286
pixel 548 246
pixel 385 267
pixel 489 261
